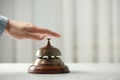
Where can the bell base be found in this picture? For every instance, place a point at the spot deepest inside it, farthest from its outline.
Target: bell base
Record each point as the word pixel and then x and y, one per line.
pixel 43 69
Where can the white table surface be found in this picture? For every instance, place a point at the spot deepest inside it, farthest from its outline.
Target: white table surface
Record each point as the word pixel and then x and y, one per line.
pixel 86 71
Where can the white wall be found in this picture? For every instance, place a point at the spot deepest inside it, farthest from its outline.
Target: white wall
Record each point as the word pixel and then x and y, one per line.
pixel 12 50
pixel 6 44
pixel 89 28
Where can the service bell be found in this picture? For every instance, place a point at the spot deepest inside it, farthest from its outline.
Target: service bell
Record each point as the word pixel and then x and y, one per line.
pixel 48 61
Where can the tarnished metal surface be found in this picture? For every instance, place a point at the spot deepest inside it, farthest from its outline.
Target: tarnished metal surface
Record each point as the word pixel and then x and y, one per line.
pixel 50 62
pixel 48 51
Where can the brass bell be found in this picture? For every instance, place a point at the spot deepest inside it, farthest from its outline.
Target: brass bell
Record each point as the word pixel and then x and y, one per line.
pixel 48 62
pixel 48 50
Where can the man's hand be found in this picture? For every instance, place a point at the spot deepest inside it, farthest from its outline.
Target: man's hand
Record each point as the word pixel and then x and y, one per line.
pixel 21 30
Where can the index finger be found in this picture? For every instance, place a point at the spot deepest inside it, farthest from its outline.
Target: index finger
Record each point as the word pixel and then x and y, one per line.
pixel 45 31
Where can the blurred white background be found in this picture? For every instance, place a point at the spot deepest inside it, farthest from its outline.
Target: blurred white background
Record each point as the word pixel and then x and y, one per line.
pixel 89 29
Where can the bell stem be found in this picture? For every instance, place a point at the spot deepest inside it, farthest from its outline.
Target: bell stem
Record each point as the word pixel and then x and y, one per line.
pixel 48 44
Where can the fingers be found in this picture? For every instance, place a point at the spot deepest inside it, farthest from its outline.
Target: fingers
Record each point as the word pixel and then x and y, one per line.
pixel 44 31
pixel 35 36
pixel 50 33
